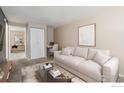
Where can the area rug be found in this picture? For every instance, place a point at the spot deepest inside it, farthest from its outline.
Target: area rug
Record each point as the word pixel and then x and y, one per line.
pixel 30 73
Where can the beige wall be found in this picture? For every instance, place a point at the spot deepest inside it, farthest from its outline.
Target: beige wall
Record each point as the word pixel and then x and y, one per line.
pixel 109 32
pixel 50 34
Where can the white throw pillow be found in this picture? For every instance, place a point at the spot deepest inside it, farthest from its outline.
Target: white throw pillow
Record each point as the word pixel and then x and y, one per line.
pixel 68 51
pixel 104 51
pixel 101 58
pixel 81 52
pixel 91 53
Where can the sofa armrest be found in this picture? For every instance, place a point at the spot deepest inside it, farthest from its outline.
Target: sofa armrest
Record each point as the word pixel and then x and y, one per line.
pixel 57 53
pixel 110 70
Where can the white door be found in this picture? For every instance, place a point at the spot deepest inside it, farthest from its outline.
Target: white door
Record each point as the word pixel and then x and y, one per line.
pixel 37 43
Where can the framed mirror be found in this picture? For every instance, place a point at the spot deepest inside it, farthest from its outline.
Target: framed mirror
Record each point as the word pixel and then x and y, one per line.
pixel 87 35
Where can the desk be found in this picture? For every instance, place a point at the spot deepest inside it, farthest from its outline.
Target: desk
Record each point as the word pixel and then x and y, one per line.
pixel 49 54
pixel 51 49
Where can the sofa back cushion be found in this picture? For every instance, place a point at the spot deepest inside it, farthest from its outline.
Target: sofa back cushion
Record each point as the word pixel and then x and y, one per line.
pixel 92 52
pixel 103 51
pixel 81 52
pixel 101 58
pixel 68 51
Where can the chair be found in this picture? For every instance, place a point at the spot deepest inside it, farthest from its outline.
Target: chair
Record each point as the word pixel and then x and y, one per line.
pixel 52 49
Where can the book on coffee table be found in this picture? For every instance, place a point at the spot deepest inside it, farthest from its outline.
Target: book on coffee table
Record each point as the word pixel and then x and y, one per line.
pixel 55 73
pixel 47 66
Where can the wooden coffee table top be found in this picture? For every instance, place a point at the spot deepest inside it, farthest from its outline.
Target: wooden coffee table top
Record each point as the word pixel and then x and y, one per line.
pixel 47 77
pixel 60 78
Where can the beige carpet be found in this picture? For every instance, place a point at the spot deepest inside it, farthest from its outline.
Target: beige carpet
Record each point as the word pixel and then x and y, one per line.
pixel 30 73
pixel 18 65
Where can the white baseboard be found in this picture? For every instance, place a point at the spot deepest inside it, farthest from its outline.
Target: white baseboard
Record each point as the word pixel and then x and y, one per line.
pixel 121 75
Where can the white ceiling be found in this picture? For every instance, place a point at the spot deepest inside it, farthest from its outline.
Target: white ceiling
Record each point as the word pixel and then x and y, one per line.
pixel 52 15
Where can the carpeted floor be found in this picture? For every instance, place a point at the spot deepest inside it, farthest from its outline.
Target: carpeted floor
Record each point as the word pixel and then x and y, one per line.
pixel 16 74
pixel 33 73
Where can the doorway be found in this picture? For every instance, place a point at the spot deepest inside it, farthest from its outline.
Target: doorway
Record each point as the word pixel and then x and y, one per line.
pixel 37 43
pixel 17 42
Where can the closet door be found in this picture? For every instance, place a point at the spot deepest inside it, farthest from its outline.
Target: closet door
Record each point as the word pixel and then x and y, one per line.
pixel 37 43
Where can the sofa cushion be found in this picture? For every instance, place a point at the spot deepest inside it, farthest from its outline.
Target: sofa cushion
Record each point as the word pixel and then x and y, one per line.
pixel 91 53
pixel 73 62
pixel 81 52
pixel 60 58
pixel 101 58
pixel 104 51
pixel 68 51
pixel 90 69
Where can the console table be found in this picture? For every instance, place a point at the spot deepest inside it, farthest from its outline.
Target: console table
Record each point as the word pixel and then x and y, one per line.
pixel 20 48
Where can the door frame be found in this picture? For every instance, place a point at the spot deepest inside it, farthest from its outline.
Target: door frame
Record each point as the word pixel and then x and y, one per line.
pixel 44 40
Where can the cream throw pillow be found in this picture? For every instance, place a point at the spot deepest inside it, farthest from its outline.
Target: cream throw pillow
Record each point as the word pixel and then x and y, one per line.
pixel 91 53
pixel 68 51
pixel 81 52
pixel 101 58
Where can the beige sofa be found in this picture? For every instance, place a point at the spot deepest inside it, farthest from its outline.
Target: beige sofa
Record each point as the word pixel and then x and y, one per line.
pixel 92 65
